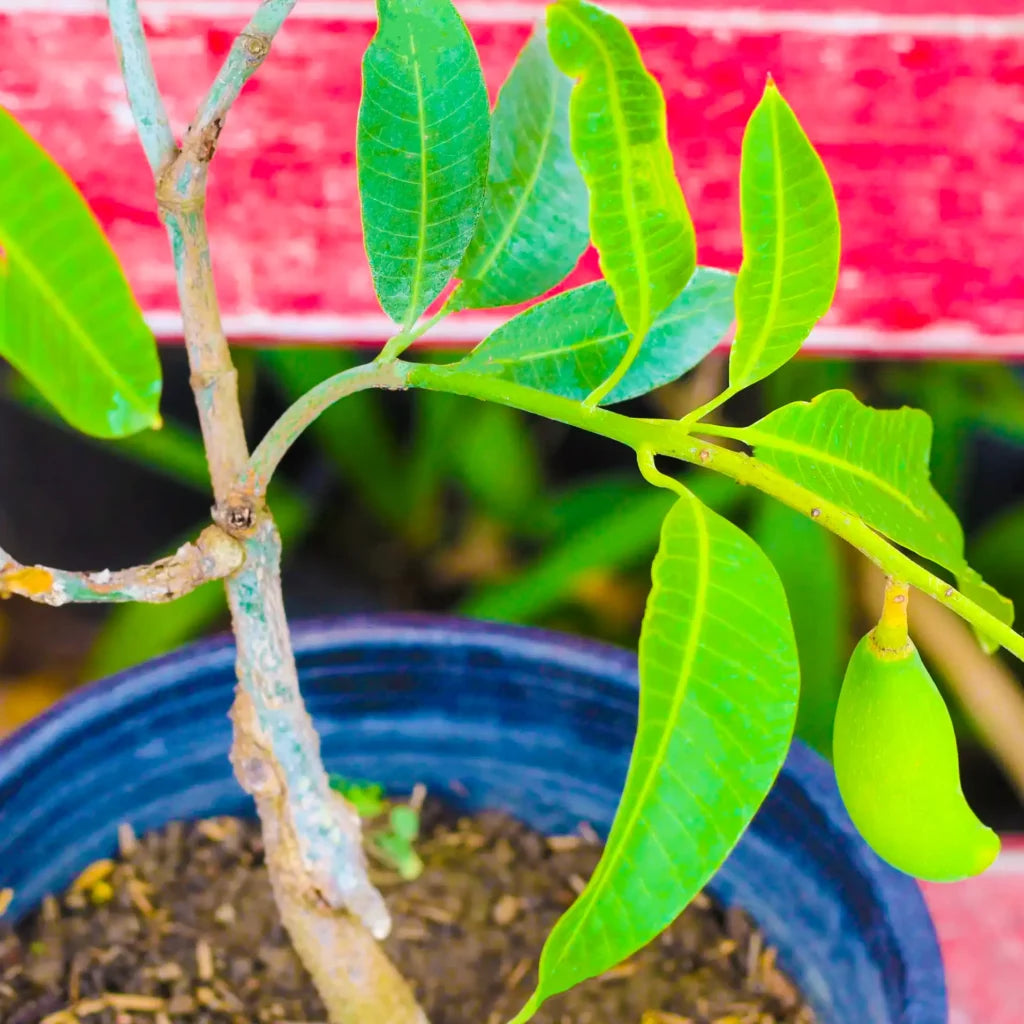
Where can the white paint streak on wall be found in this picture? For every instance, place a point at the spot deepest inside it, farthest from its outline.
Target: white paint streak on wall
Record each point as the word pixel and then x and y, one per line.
pixel 945 340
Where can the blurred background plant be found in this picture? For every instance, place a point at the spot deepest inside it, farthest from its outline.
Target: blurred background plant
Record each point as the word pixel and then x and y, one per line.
pixel 430 502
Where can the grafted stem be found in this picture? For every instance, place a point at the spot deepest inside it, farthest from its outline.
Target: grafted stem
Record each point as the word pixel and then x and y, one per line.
pixel 314 843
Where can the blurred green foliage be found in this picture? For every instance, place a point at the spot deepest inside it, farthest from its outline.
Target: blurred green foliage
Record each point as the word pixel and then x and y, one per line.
pixel 490 515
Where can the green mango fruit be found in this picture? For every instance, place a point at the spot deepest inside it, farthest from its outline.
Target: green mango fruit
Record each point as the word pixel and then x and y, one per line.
pixel 895 758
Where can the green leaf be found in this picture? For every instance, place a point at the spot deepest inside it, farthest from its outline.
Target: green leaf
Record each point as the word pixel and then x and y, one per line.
pixel 577 505
pixel 436 417
pixel 718 691
pixel 569 344
pixel 68 320
pixel 967 398
pixel 175 450
pixel 638 217
pixel 399 852
pixel 533 228
pixel 810 566
pixel 405 822
pixel 421 148
pixel 790 228
pixel 494 455
pixel 997 552
pixel 614 540
pixel 874 464
pixel 802 379
pixel 134 633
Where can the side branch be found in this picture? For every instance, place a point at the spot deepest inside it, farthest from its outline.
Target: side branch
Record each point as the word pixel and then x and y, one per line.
pixel 147 105
pixel 286 431
pixel 213 556
pixel 247 52
pixel 184 183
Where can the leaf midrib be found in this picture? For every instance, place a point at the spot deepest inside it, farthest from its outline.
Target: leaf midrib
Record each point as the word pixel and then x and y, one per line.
pixel 760 438
pixel 775 296
pixel 16 254
pixel 626 176
pixel 701 585
pixel 421 242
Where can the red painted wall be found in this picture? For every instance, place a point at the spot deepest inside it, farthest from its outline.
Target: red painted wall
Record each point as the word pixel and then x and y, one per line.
pixel 917 108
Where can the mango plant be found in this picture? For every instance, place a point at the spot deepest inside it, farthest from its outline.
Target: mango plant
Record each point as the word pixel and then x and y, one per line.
pixel 465 207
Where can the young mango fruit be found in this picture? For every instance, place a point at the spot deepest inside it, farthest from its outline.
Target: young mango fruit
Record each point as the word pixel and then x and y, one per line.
pixel 895 758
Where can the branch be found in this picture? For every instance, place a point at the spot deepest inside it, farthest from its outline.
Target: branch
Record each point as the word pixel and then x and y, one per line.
pixel 286 431
pixel 214 380
pixel 147 105
pixel 669 438
pixel 185 181
pixel 312 836
pixel 247 53
pixel 213 556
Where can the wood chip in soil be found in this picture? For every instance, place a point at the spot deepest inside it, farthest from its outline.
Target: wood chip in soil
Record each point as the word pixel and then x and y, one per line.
pixel 182 929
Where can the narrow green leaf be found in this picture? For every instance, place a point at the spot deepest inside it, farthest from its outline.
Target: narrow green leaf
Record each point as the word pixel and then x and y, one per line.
pixel 615 540
pixel 874 464
pixel 718 691
pixel 997 552
pixel 802 379
pixel 569 344
pixel 435 419
pixel 533 228
pixel 496 459
pixel 790 228
pixel 967 398
pixel 174 451
pixel 134 633
pixel 421 148
pixel 810 566
pixel 578 504
pixel 638 217
pixel 68 320
pixel 617 535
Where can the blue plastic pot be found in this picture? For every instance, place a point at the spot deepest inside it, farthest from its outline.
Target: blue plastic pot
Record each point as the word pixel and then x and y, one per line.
pixel 532 722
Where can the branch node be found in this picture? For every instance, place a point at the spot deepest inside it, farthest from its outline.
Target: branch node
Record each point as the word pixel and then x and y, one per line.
pixel 237 516
pixel 205 143
pixel 171 203
pixel 256 46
